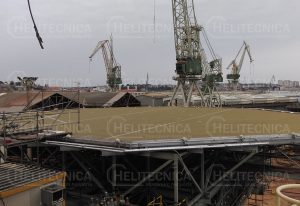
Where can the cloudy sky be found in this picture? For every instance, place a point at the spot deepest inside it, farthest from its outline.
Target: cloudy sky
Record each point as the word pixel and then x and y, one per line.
pixel 72 28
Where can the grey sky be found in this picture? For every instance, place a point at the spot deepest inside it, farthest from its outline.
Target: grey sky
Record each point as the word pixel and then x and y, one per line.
pixel 71 29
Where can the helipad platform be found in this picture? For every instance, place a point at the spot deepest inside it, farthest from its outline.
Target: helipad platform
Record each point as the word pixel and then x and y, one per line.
pixel 146 128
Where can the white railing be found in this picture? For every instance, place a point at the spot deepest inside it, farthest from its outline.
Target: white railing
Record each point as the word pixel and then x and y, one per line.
pixel 281 196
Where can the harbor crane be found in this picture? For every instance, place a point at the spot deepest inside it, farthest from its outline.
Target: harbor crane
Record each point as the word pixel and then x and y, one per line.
pixel 192 66
pixel 235 67
pixel 113 69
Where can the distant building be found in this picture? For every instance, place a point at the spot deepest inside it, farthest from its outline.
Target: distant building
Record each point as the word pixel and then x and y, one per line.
pixel 152 99
pixel 289 83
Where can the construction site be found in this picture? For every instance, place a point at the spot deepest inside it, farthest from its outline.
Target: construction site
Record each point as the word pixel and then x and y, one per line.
pixel 206 140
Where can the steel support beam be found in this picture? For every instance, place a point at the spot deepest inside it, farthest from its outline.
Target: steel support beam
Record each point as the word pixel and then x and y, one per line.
pixel 213 185
pixel 176 185
pixel 190 174
pixel 158 155
pixel 64 162
pixel 148 176
pixel 177 144
pixel 50 156
pixel 232 169
pixel 82 165
pixel 203 172
pixel 114 172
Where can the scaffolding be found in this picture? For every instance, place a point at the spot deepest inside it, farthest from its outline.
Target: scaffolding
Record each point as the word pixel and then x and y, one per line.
pixel 32 124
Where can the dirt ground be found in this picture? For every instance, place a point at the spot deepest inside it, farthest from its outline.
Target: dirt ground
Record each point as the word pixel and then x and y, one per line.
pixel 269 199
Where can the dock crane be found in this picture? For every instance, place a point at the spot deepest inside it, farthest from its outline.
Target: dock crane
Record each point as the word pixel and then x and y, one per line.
pixel 192 66
pixel 113 69
pixel 234 76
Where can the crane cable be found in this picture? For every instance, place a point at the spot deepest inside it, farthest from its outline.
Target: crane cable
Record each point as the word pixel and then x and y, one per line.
pixel 39 38
pixel 212 52
pixel 154 21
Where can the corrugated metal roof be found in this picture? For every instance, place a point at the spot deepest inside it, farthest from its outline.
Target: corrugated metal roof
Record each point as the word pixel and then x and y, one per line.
pixel 13 176
pixel 17 101
pixel 98 99
pixel 21 99
pixel 94 99
pixel 114 99
pixel 12 109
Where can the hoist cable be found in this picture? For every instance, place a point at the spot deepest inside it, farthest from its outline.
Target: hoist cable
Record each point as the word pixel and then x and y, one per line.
pixel 39 38
pixel 154 20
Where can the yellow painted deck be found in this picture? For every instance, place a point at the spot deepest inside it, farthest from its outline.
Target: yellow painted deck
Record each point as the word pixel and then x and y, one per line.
pixel 131 124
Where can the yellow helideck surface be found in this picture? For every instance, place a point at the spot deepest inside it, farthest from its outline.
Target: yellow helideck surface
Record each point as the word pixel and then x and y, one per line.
pixel 145 123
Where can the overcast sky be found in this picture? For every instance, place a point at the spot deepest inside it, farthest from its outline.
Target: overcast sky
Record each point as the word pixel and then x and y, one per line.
pixel 72 28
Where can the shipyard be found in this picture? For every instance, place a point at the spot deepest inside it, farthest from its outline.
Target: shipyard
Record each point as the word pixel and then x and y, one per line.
pixel 149 103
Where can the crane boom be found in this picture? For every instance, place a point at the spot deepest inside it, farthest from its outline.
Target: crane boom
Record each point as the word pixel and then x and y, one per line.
pixel 246 50
pixel 234 76
pixel 113 69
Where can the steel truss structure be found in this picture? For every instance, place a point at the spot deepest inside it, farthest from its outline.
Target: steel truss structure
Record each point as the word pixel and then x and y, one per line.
pixel 200 171
pixel 192 65
pixel 18 130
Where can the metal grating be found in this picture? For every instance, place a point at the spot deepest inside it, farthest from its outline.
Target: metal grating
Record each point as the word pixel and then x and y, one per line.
pixel 17 175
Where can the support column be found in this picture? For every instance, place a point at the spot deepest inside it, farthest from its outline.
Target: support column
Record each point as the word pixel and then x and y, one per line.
pixel 176 186
pixel 171 103
pixel 22 153
pixel 29 153
pixel 86 169
pixel 203 172
pixel 64 161
pixel 114 171
pixel 3 152
pixel 189 97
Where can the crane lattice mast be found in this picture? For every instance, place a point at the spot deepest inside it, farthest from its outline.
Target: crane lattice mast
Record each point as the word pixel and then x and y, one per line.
pixel 192 65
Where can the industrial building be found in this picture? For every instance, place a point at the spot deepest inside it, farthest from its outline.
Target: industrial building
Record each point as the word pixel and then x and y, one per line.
pixel 153 99
pixel 30 185
pixel 289 83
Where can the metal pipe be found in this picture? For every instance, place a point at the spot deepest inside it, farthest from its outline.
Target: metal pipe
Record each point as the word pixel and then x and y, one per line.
pixel 125 150
pixel 286 198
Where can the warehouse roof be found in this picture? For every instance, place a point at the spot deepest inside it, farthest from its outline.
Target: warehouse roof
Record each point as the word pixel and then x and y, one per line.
pixel 17 101
pixel 16 178
pixel 102 99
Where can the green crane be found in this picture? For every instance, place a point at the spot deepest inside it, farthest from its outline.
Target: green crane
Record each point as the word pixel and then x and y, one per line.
pixel 192 66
